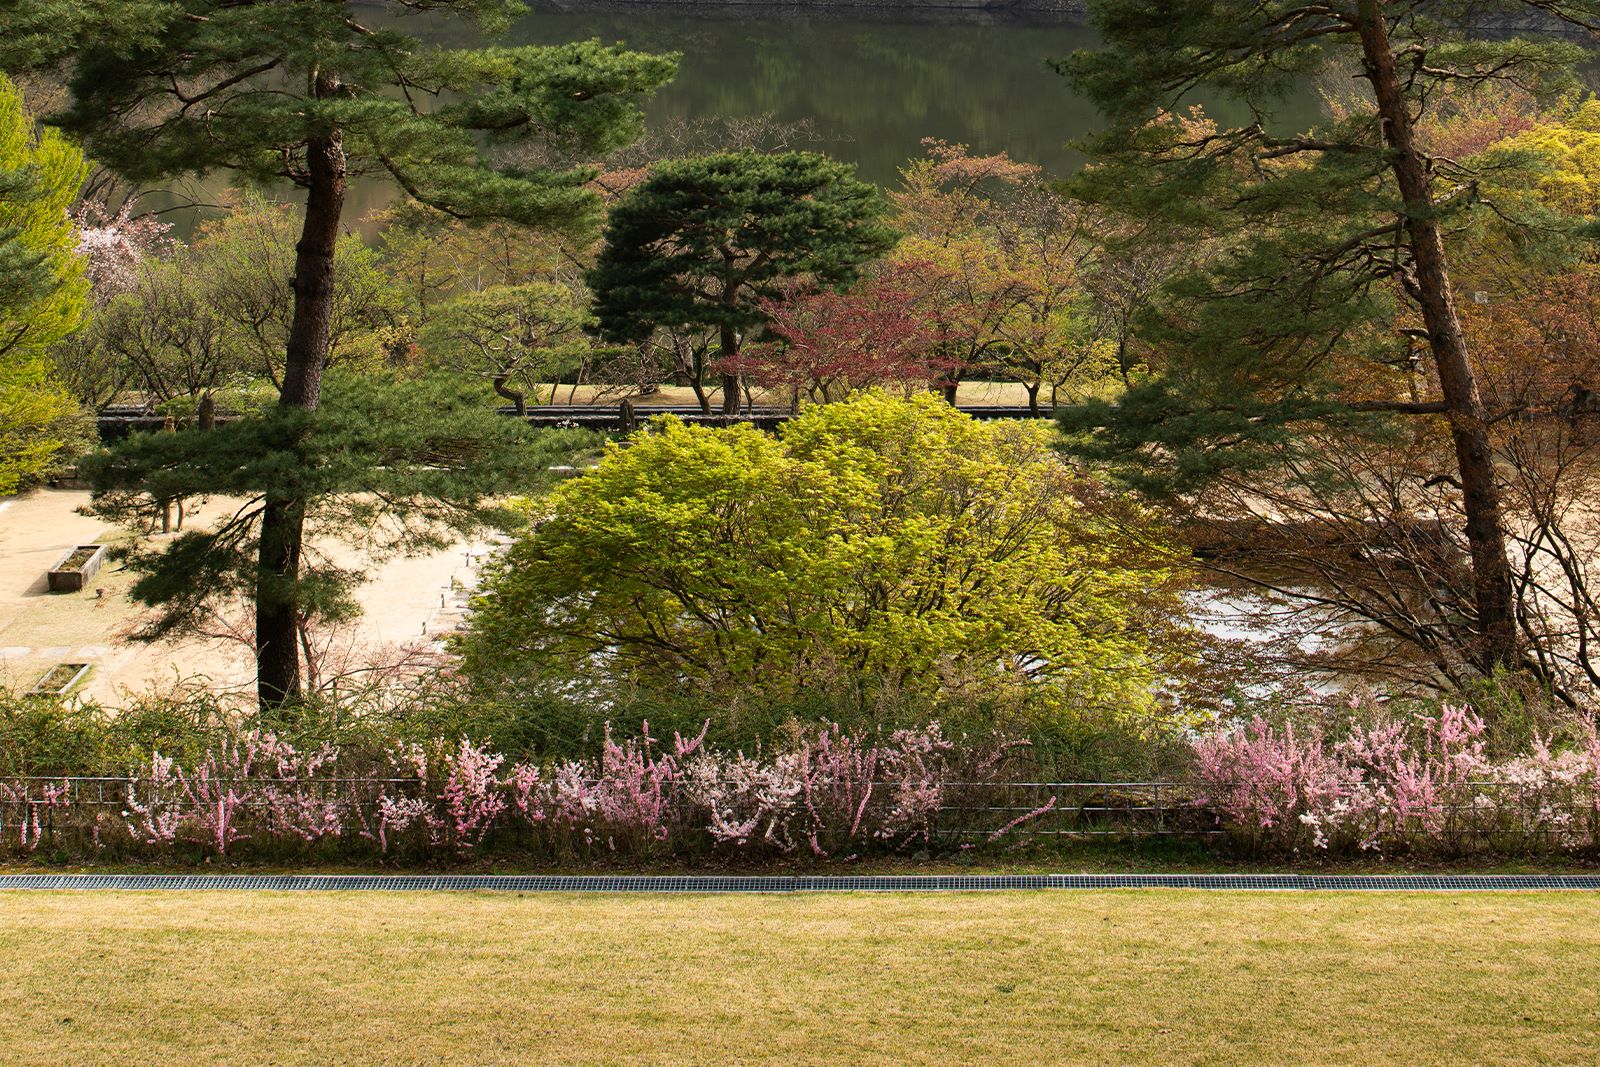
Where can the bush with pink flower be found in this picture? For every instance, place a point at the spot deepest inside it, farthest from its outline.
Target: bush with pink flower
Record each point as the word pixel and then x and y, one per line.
pixel 1412 781
pixel 1367 780
pixel 829 792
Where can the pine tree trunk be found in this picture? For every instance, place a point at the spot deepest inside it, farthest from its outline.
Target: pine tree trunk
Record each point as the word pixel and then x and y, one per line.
pixel 730 382
pixel 283 518
pixel 1469 424
pixel 519 400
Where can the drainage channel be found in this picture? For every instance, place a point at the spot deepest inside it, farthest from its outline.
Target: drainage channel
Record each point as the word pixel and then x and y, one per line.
pixel 799 884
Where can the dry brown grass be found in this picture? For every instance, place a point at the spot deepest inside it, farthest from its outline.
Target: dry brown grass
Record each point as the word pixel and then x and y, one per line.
pixel 1146 977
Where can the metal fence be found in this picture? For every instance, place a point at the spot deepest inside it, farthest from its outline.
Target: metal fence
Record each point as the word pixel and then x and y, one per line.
pixel 1073 809
pixel 968 812
pixel 117 422
pixel 972 808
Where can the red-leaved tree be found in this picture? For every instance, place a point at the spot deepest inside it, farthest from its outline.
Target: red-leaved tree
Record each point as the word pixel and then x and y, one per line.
pixel 830 343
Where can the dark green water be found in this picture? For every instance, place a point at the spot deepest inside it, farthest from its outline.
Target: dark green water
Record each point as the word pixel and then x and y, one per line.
pixel 873 89
pixel 874 84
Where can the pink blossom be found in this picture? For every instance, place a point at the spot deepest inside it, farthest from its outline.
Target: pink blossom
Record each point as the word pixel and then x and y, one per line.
pixel 114 244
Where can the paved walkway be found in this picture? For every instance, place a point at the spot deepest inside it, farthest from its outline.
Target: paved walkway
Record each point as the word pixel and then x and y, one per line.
pixel 894 883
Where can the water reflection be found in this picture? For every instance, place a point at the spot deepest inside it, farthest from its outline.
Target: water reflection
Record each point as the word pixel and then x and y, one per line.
pixel 873 82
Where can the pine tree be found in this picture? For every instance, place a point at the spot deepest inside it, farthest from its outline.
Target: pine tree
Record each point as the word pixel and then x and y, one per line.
pixel 704 241
pixel 316 93
pixel 1332 264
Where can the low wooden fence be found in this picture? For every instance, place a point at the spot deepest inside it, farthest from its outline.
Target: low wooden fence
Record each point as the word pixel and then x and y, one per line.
pixel 114 424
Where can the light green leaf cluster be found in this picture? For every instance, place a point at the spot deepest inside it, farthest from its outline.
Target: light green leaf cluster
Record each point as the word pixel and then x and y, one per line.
pixel 875 542
pixel 1565 158
pixel 516 337
pixel 43 292
pixel 245 260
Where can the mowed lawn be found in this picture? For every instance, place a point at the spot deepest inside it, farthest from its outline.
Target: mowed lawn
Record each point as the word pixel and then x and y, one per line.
pixel 1144 977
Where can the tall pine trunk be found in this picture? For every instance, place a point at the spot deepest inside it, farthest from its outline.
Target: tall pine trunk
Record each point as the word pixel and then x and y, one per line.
pixel 278 610
pixel 1469 423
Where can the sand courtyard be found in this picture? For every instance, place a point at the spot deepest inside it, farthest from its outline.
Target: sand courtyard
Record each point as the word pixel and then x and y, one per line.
pixel 406 601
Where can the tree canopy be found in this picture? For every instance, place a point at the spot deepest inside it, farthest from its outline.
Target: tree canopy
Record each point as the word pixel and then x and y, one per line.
pixel 1327 305
pixel 43 291
pixel 875 541
pixel 1003 253
pixel 703 241
pixel 160 89
pixel 395 466
pixel 515 336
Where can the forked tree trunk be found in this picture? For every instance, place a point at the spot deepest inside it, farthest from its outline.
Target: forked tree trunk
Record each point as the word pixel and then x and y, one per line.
pixel 1469 423
pixel 1033 396
pixel 278 611
pixel 689 363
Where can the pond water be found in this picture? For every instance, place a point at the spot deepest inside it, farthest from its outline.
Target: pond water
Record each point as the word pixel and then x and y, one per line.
pixel 874 84
pixel 871 84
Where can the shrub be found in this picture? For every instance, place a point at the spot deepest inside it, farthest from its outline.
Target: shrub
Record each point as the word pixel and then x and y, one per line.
pixel 878 551
pixel 829 792
pixel 1423 780
pixel 45 736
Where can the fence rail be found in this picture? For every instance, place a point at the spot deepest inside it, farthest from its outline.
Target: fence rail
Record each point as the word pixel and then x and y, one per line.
pixel 966 811
pixel 969 809
pixel 116 423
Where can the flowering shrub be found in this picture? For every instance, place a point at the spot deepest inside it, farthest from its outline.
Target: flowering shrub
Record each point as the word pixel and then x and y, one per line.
pixel 832 790
pixel 449 793
pixel 295 803
pixel 30 814
pixel 113 244
pixel 828 791
pixel 1422 781
pixel 257 773
pixel 628 795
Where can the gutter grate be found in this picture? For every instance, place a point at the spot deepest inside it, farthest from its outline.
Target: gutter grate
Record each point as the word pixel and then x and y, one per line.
pixel 893 883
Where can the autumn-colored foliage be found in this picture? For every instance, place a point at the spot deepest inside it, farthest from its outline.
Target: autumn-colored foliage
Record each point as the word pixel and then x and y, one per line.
pixel 830 343
pixel 1002 254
